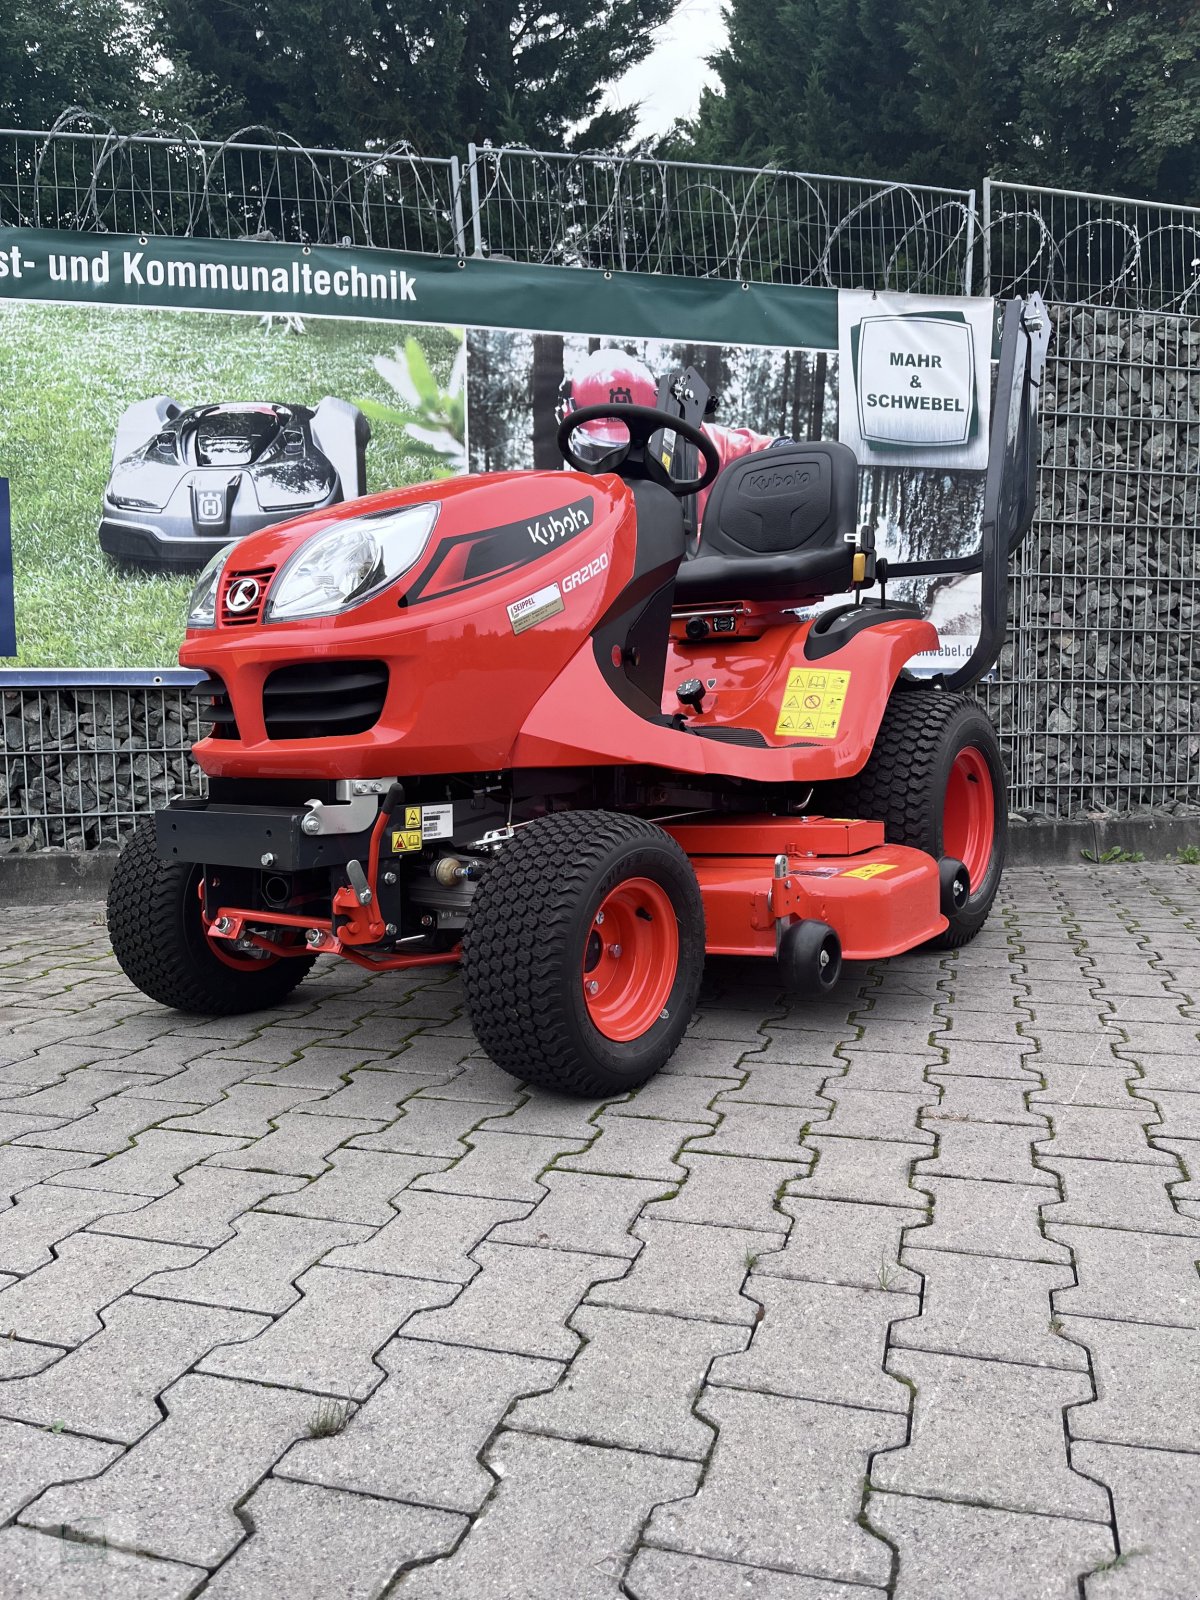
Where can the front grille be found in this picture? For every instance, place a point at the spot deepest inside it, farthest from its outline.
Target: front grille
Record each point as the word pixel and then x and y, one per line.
pixel 236 587
pixel 214 707
pixel 324 699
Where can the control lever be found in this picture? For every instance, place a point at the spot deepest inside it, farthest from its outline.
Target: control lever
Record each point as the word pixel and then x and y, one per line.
pixel 691 693
pixel 358 882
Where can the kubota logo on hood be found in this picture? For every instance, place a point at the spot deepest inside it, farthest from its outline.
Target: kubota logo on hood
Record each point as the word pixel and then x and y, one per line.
pixel 552 527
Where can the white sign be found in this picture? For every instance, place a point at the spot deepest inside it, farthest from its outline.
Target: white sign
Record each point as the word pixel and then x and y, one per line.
pixel 915 379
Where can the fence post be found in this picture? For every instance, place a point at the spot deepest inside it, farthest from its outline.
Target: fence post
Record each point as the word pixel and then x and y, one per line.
pixel 460 237
pixel 987 236
pixel 969 257
pixel 476 220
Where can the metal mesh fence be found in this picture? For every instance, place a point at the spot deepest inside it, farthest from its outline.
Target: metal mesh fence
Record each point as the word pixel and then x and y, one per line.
pixel 78 176
pixel 1091 249
pixel 79 766
pixel 1096 696
pixel 635 214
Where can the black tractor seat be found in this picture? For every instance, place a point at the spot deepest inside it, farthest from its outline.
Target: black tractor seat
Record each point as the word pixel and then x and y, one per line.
pixel 778 527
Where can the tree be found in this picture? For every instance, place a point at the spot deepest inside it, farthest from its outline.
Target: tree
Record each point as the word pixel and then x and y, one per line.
pixel 59 53
pixel 438 73
pixel 1097 94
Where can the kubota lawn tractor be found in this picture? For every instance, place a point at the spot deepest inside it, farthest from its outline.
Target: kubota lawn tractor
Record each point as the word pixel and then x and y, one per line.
pixel 502 720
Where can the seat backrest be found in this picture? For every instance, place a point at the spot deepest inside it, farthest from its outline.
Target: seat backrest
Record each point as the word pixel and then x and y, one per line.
pixel 790 498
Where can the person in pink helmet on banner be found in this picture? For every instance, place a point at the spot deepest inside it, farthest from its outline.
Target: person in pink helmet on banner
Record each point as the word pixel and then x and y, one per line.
pixel 610 377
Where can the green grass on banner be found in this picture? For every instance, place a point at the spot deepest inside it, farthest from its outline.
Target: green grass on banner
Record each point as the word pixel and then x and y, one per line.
pixel 67 373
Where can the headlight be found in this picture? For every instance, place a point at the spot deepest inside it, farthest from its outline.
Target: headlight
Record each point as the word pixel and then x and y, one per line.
pixel 349 562
pixel 202 607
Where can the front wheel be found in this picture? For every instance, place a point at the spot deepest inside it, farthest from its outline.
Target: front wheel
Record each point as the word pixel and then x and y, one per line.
pixel 159 940
pixel 936 781
pixel 584 951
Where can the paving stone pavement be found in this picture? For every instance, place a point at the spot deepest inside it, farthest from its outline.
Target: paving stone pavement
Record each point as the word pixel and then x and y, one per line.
pixel 890 1296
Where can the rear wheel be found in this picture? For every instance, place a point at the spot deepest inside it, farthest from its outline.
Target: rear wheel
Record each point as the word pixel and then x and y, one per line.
pixel 158 937
pixel 936 781
pixel 584 951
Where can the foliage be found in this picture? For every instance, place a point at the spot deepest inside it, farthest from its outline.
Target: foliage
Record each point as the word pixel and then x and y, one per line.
pixel 1189 855
pixel 371 72
pixel 1114 854
pixel 434 419
pixel 1096 94
pixel 54 53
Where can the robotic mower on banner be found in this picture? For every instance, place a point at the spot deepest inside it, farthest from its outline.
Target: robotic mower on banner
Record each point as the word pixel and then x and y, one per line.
pixel 503 721
pixel 184 483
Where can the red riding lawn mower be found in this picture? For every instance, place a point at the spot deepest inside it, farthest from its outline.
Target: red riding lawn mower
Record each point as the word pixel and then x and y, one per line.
pixel 503 721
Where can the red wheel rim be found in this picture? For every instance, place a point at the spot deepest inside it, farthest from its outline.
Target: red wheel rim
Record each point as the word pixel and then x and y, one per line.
pixel 630 959
pixel 969 814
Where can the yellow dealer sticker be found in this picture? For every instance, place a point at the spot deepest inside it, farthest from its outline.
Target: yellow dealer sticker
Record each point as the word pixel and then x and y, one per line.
pixel 812 703
pixel 873 869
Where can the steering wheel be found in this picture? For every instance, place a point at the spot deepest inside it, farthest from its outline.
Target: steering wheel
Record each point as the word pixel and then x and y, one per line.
pixel 637 457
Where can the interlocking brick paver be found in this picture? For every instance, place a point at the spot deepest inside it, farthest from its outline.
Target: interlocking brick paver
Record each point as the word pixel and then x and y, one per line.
pixel 419 1435
pixel 887 1070
pixel 502 1166
pixel 59 1302
pixel 1156 1494
pixel 547 1485
pixel 430 1127
pixel 1162 1072
pixel 638 1147
pixel 969 1058
pixel 1068 1085
pixel 583 1212
pixel 1098 1133
pixel 1116 1194
pixel 431 1236
pixel 202 1210
pixel 670 1575
pixel 256 1270
pixel 729 1191
pixel 18 1359
pixel 758 1132
pixel 308 1539
pixel 41 1217
pixel 978 1099
pixel 300 1143
pixel 873 1170
pixel 1133 1277
pixel 370 1095
pixel 992 1308
pixel 710 1058
pixel 107 1130
pixel 875 1114
pixel 633 1384
pixel 519 1302
pixel 36 1565
pixel 79 1093
pixel 358 1187
pixel 328 1341
pixel 21 1166
pixel 556 1116
pixel 475 1079
pixel 1147 1384
pixel 203 1082
pixel 108 1385
pixel 819 1341
pixel 320 1067
pixel 32 1458
pixel 990 1433
pixel 154 1164
pixel 674 1099
pixel 986 1150
pixel 689 1271
pixel 959 1552
pixel 1180 1115
pixel 218 1439
pixel 843 1241
pixel 783 1488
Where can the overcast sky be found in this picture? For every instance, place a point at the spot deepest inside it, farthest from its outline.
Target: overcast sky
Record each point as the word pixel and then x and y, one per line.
pixel 669 81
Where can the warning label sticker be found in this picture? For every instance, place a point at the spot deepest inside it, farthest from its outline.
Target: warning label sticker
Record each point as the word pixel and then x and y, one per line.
pixel 812 703
pixel 873 869
pixel 405 839
pixel 535 608
pixel 421 824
